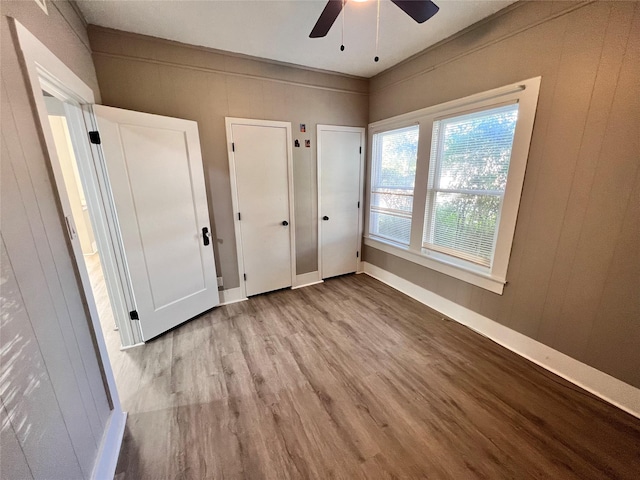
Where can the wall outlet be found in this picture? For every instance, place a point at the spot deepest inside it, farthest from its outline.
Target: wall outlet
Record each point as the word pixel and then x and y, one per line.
pixel 220 282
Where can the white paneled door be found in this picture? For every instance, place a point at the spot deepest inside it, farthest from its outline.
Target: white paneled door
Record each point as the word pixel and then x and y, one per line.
pixel 260 167
pixel 340 168
pixel 156 175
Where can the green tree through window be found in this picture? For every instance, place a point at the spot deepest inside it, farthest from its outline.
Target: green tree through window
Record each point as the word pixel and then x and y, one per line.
pixel 469 167
pixel 393 182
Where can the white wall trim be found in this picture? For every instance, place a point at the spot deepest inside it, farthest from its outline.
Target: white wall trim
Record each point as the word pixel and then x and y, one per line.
pixel 306 279
pixel 107 459
pixel 482 280
pixel 600 384
pixel 232 295
pixel 127 347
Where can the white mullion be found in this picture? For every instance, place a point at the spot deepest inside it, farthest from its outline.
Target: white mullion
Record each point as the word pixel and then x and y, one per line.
pixel 375 175
pixel 436 183
pixel 420 189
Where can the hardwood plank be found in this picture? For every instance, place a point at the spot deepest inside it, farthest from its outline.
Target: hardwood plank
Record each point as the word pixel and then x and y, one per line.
pixel 352 379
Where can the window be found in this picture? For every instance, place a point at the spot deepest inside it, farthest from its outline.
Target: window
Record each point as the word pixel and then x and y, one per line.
pixel 393 179
pixel 453 207
pixel 470 157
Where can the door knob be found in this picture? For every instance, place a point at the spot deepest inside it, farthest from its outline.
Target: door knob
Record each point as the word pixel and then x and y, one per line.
pixel 285 223
pixel 325 218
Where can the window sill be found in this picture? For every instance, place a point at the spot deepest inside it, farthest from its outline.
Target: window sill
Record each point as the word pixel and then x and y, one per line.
pixel 477 278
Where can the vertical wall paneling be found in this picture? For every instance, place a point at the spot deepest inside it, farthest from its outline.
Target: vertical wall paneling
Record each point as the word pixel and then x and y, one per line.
pixel 33 407
pixel 605 86
pixel 581 51
pixel 14 463
pixel 615 173
pixel 615 333
pixel 52 387
pixel 50 318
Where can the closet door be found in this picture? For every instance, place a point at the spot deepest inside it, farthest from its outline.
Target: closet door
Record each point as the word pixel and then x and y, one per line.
pixel 340 166
pixel 261 172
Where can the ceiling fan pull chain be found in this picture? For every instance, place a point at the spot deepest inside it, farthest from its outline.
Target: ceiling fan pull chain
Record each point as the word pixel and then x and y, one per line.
pixel 376 58
pixel 344 12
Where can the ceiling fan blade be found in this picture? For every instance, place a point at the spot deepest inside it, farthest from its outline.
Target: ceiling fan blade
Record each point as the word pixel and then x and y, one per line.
pixel 419 10
pixel 331 11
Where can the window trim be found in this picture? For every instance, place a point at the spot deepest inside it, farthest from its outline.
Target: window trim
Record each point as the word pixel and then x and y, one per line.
pixel 525 93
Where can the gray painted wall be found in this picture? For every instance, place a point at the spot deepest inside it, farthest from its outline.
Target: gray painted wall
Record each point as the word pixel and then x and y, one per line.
pixel 167 78
pixel 54 403
pixel 574 274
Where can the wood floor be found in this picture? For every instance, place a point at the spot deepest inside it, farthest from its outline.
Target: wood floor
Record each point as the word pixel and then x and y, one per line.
pixel 351 379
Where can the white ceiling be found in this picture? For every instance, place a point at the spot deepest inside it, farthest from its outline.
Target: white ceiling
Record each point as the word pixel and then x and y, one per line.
pixel 279 30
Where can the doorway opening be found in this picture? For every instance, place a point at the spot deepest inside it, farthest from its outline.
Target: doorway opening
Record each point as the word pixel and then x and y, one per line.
pixel 80 223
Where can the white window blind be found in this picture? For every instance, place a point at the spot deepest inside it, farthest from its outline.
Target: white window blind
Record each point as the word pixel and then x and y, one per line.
pixel 469 164
pixel 392 183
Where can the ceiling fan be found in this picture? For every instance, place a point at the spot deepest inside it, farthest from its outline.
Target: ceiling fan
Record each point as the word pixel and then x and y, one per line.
pixel 419 10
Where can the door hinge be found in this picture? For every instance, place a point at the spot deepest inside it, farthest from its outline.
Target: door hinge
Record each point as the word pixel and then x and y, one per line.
pixel 245 276
pixel 358 203
pixel 239 217
pixel 72 231
pixel 94 137
pixel 133 315
pixel 357 254
pixel 233 146
pixel 360 149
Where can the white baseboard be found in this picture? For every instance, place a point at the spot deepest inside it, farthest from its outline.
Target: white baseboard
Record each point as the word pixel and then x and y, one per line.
pixel 306 279
pixel 127 347
pixel 608 388
pixel 107 459
pixel 232 295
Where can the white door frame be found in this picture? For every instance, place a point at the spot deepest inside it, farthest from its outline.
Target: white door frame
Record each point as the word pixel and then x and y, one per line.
pixel 48 72
pixel 42 66
pixel 102 208
pixel 362 132
pixel 229 122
